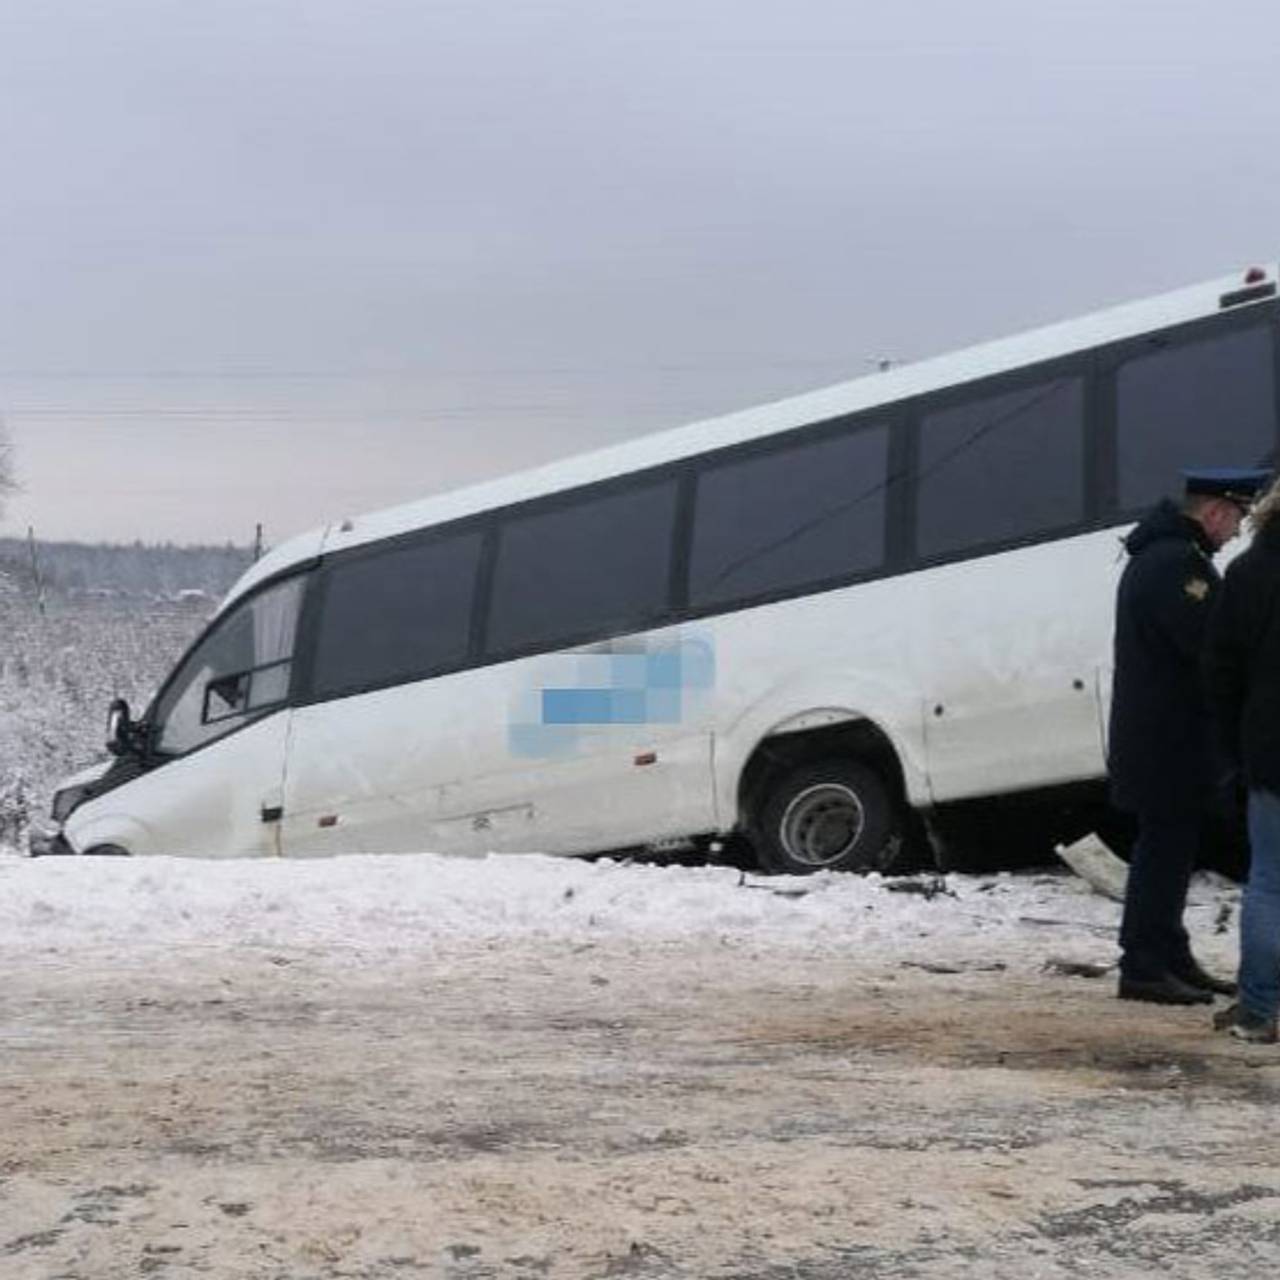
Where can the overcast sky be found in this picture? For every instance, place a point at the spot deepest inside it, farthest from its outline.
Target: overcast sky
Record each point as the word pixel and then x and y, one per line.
pixel 286 260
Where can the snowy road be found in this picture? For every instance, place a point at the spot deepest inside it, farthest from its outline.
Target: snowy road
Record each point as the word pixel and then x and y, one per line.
pixel 536 1068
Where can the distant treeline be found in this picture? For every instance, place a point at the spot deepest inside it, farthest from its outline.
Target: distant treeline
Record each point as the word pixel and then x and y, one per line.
pixel 136 571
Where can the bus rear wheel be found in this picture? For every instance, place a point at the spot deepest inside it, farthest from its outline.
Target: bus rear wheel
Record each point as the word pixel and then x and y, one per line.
pixel 831 815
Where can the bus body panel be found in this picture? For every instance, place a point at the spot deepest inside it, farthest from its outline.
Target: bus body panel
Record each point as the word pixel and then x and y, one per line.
pixel 1011 683
pixel 984 675
pixel 842 655
pixel 473 763
pixel 207 804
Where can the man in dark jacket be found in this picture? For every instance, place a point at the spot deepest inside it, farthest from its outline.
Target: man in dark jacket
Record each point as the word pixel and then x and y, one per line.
pixel 1160 757
pixel 1242 667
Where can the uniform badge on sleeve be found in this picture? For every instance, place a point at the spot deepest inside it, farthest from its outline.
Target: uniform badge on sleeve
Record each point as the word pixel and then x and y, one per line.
pixel 1196 588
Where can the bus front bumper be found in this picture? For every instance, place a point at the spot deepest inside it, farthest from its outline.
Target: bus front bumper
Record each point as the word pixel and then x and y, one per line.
pixel 48 844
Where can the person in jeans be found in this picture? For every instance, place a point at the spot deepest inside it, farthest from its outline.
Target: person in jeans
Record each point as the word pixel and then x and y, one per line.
pixel 1242 671
pixel 1160 757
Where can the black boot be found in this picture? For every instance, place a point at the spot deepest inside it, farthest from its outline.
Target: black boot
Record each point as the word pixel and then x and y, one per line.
pixel 1193 975
pixel 1167 989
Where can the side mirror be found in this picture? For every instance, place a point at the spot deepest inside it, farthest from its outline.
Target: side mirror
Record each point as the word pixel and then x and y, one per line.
pixel 122 733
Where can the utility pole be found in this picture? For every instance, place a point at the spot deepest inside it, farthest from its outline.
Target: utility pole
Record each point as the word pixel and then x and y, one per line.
pixel 35 568
pixel 257 543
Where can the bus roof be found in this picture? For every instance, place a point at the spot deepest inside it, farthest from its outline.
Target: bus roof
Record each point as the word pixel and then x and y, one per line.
pixel 866 392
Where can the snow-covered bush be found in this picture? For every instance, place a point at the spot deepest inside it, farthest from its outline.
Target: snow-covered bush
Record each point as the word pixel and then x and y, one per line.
pixel 59 670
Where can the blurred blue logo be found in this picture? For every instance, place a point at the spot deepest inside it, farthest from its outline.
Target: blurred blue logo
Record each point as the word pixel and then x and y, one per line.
pixel 621 682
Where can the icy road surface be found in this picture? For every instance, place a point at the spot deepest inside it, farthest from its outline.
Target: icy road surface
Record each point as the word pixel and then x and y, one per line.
pixel 375 1067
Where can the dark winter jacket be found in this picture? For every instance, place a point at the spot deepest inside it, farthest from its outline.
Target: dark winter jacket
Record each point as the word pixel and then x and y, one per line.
pixel 1242 662
pixel 1160 754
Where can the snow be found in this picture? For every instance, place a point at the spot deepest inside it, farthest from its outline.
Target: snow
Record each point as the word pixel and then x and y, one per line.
pixel 521 1066
pixel 364 908
pixel 59 671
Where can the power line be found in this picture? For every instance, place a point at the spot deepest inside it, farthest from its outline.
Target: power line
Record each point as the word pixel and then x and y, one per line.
pixel 671 412
pixel 467 371
pixel 330 413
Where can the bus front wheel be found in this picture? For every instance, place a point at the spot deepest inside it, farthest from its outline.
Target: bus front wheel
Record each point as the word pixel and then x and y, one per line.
pixel 832 815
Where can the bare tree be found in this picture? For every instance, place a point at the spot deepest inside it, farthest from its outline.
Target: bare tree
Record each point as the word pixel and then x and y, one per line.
pixel 8 477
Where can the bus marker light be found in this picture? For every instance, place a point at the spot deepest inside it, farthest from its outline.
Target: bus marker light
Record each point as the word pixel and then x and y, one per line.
pixel 1255 292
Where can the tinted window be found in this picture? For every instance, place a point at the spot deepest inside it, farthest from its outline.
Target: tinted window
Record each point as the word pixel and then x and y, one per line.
pixel 789 519
pixel 1002 467
pixel 395 615
pixel 239 670
pixel 600 565
pixel 1207 403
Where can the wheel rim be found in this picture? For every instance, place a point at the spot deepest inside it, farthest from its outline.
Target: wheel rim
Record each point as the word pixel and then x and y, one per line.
pixel 823 824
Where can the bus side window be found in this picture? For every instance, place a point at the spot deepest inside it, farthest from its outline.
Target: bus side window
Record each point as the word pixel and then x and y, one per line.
pixel 1207 402
pixel 1003 467
pixel 399 613
pixel 790 518
pixel 597 566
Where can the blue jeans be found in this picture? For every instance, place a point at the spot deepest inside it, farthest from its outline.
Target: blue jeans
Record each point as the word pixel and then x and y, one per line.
pixel 1260 914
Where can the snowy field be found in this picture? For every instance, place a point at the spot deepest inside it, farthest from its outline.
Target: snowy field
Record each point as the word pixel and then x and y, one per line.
pixel 526 1067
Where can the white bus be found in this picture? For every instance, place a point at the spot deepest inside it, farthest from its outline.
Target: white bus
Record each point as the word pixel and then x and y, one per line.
pixel 804 622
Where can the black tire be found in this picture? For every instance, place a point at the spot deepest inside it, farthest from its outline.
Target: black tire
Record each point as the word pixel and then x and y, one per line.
pixel 832 815
pixel 106 851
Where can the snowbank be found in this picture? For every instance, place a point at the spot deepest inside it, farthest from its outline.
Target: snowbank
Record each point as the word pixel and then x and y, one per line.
pixel 369 906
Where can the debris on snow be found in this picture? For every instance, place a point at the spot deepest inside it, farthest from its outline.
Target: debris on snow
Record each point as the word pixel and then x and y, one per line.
pixel 928 889
pixel 1076 968
pixel 1091 859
